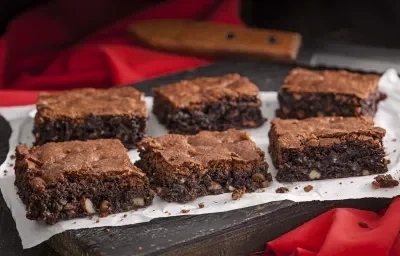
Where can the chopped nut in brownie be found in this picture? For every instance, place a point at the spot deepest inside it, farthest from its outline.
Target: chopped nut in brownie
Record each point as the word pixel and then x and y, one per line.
pixel 201 205
pixel 384 181
pixel 185 211
pixel 282 190
pixel 308 188
pixel 238 193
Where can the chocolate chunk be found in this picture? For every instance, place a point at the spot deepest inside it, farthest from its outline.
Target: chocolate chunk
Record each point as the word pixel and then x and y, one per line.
pixel 282 190
pixel 384 181
pixel 308 188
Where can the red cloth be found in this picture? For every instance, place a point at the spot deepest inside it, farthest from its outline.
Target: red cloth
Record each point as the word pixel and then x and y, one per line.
pixel 39 50
pixel 339 232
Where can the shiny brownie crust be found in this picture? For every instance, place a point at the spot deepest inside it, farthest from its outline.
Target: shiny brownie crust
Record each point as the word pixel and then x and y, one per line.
pixel 325 148
pixel 183 168
pixel 59 181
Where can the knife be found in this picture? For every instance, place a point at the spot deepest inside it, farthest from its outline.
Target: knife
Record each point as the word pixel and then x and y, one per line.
pixel 206 39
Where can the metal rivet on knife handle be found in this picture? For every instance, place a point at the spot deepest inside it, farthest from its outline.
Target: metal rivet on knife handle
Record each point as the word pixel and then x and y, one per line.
pixel 230 35
pixel 272 40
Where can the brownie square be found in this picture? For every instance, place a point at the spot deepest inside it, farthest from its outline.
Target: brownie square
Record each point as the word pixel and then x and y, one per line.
pixel 86 114
pixel 182 168
pixel 307 93
pixel 326 147
pixel 208 103
pixel 74 179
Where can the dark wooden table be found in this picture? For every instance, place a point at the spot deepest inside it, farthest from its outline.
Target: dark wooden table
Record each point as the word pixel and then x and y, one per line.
pixel 237 232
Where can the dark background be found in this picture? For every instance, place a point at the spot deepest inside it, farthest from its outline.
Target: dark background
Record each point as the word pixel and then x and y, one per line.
pixel 371 23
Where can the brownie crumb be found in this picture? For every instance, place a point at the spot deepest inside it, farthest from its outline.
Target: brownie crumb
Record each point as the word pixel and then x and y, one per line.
pixel 74 222
pixel 10 165
pixel 296 188
pixel 185 211
pixel 384 181
pixel 394 140
pixel 282 190
pixel 5 171
pixel 340 183
pixel 201 205
pixel 12 157
pixel 351 181
pixel 125 215
pixel 169 214
pixel 263 190
pixel 98 220
pixel 394 151
pixel 308 188
pixel 238 193
pixel 363 224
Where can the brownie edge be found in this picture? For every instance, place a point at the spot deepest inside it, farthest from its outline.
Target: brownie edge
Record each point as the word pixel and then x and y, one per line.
pixel 58 181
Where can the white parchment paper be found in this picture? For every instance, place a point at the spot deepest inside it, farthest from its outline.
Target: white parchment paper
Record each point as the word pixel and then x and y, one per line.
pixel 33 233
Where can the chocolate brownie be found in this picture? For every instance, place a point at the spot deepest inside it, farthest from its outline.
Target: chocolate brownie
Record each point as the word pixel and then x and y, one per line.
pixel 77 178
pixel 208 103
pixel 184 167
pixel 86 114
pixel 307 93
pixel 326 147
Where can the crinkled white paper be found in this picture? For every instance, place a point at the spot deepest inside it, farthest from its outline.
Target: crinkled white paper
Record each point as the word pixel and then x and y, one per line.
pixel 33 233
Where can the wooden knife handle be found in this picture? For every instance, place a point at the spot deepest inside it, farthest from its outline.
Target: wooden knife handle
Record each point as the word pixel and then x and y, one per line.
pixel 207 39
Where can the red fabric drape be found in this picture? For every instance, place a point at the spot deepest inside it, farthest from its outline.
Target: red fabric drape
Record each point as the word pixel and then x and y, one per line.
pixel 39 50
pixel 343 232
